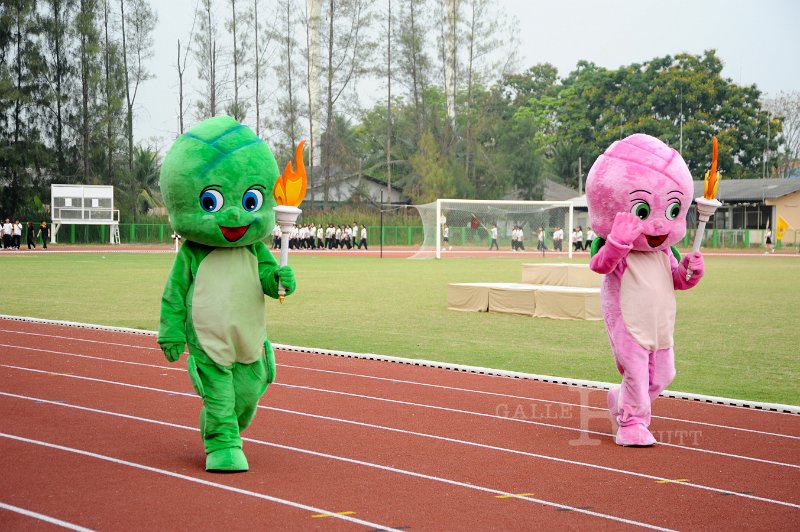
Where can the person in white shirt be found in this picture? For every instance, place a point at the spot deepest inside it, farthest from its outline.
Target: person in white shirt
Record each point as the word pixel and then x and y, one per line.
pixel 17 233
pixel 494 238
pixel 363 241
pixel 8 230
pixel 590 236
pixel 276 237
pixel 579 239
pixel 520 238
pixel 540 236
pixel 558 239
pixel 446 237
pixel 320 237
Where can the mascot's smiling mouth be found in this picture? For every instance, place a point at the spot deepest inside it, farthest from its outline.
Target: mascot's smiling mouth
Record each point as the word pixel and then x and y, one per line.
pixel 232 234
pixel 656 240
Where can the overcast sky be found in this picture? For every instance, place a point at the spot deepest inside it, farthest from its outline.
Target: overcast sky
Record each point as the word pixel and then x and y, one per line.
pixel 757 40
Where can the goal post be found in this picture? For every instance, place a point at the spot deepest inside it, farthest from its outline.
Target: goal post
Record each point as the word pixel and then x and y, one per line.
pixel 468 224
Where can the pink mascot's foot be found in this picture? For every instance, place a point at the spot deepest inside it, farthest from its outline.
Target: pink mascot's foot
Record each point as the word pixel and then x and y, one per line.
pixel 634 436
pixel 613 397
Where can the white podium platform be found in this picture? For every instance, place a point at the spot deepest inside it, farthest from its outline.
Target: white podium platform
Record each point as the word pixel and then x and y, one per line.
pixel 561 274
pixel 541 301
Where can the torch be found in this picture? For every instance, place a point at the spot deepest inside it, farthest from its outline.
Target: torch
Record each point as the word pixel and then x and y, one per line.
pixel 289 191
pixel 708 203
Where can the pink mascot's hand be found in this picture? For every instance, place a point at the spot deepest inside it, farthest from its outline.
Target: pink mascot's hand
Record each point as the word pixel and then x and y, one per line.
pixel 626 228
pixel 694 262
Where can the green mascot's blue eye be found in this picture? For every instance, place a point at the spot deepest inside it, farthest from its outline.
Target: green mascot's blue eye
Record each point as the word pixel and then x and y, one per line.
pixel 211 200
pixel 252 200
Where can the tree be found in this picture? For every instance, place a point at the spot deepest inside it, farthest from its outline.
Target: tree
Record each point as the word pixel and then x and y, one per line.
pixel 88 53
pixel 59 78
pixel 237 108
pixel 413 62
pixel 137 46
pixel 20 90
pixel 181 68
pixel 785 107
pixel 207 55
pixel 142 186
pixel 113 80
pixel 435 178
pixel 346 53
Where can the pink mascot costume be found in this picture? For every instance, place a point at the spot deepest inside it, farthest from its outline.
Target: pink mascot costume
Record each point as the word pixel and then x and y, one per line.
pixel 638 193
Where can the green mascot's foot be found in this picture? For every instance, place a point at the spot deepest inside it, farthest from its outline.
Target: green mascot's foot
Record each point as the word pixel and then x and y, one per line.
pixel 231 460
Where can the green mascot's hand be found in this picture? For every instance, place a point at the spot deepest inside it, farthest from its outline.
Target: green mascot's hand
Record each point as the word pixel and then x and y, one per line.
pixel 286 276
pixel 172 351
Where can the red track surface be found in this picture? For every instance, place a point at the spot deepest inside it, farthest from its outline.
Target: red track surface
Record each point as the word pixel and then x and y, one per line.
pixel 97 430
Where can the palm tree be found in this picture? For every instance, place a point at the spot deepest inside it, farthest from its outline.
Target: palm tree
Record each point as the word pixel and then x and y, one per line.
pixel 142 185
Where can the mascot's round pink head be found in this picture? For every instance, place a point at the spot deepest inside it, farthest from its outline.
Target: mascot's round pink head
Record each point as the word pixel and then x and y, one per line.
pixel 642 175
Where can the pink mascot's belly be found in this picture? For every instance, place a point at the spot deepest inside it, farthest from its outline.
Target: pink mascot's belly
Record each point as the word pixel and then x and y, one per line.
pixel 647 299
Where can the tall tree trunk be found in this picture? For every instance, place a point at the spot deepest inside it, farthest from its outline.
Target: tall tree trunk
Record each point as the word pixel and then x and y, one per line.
pixel 109 137
pixel 290 75
pixel 329 108
pixel 470 60
pixel 180 89
pixel 450 58
pixel 389 105
pixel 129 116
pixel 84 53
pixel 257 53
pixel 235 62
pixel 312 43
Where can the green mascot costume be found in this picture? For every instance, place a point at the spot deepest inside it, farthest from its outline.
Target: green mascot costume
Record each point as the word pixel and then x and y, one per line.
pixel 217 182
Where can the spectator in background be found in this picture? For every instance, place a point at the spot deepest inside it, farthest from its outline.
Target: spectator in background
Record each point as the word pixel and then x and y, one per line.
pixel 320 237
pixel 494 238
pixel 31 236
pixel 44 232
pixel 8 230
pixel 17 234
pixel 445 237
pixel 540 236
pixel 363 237
pixel 558 239
pixel 590 236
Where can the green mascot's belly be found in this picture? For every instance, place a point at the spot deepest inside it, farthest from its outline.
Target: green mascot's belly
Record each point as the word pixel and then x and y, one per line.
pixel 228 307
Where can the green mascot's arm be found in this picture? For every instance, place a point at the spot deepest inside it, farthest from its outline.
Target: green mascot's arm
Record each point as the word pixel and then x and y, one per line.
pixel 269 272
pixel 172 329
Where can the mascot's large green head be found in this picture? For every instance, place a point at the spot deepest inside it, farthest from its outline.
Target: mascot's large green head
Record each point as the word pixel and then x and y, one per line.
pixel 217 182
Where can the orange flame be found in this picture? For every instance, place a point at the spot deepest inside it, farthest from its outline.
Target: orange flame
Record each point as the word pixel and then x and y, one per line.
pixel 290 189
pixel 712 176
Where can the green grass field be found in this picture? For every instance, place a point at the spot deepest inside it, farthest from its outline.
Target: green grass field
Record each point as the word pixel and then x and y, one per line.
pixel 736 335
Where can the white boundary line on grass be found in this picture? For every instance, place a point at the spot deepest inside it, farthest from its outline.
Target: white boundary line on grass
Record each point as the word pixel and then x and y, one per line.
pixel 755 405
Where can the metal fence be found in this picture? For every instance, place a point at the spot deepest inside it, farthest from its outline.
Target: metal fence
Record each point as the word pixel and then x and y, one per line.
pixel 131 233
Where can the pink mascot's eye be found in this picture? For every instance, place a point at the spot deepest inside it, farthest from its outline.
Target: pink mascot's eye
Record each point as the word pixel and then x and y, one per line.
pixel 674 210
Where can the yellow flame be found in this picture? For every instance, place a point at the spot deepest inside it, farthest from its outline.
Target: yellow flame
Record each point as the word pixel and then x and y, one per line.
pixel 712 176
pixel 290 189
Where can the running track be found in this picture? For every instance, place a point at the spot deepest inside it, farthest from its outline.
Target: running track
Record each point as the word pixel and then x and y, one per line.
pixel 98 431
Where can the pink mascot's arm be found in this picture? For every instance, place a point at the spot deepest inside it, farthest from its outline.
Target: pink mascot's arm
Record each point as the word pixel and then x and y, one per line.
pixel 609 256
pixel 625 229
pixel 691 261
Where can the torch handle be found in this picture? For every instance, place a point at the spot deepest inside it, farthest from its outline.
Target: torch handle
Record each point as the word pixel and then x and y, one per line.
pixel 283 262
pixel 698 239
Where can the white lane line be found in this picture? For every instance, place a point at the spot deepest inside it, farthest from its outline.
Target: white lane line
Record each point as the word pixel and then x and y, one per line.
pixel 535 399
pixel 45 518
pixel 440 438
pixel 208 483
pixel 385 379
pixel 490 372
pixel 436 407
pixel 530 422
pixel 350 461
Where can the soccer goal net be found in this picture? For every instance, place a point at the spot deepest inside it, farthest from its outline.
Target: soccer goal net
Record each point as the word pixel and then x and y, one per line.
pixel 456 225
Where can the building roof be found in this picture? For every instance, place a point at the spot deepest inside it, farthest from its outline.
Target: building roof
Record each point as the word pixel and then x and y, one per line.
pixel 751 190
